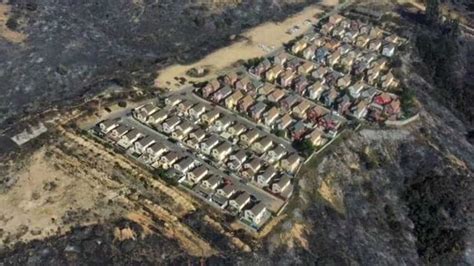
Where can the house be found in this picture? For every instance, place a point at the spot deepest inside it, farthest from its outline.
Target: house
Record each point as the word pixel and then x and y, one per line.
pixel 283 183
pixel 170 124
pixel 329 97
pixel 143 112
pixel 197 110
pixel 222 123
pixel 306 68
pixel 277 153
pixel 321 55
pixel 315 113
pixel 237 159
pixel 360 109
pixel 301 83
pixel 320 72
pixel 212 182
pixel 281 59
pixel 233 99
pixel 291 162
pixel 293 64
pixel 254 165
pixel 184 106
pixel 310 52
pixel 221 151
pixel 389 81
pixel 256 214
pixel 331 122
pixel 288 102
pixel 256 111
pixel 236 129
pixel 128 139
pixel 300 109
pixel 156 150
pixel 299 46
pixel 350 36
pixel 338 32
pixel 262 145
pixel 262 67
pixel 343 104
pixel 239 202
pixel 375 45
pixel 250 136
pixel 332 45
pixel 158 117
pixel 209 144
pixel 226 191
pixel 210 116
pixel 271 115
pixel 327 28
pixel 231 78
pixel 273 73
pixel 388 50
pixel 108 125
pixel 266 89
pixel 375 33
pixel 393 39
pixel 173 100
pixel 170 158
pixel 177 134
pixel 198 135
pixel 348 60
pixel 316 137
pixel 142 144
pixel 210 88
pixel 298 130
pixel 185 127
pixel 285 121
pixel 264 178
pixel 184 165
pixel 244 84
pixel 382 99
pixel 221 94
pixel 118 132
pixel 392 110
pixel 287 78
pixel 336 19
pixel 356 89
pixel 344 81
pixel 369 94
pixel 276 95
pixel 362 41
pixel 315 90
pixel 334 58
pixel 197 174
pixel 245 103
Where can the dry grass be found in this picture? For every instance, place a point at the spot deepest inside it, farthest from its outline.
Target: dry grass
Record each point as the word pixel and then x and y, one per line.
pixel 5 32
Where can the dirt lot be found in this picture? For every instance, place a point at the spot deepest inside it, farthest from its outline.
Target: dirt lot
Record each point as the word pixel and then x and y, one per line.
pixel 46 198
pixel 5 32
pixel 270 34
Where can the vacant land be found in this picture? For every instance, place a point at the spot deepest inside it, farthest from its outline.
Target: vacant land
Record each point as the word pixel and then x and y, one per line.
pixel 47 199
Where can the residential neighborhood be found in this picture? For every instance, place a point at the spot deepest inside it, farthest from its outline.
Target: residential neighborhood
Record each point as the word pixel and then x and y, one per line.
pixel 238 141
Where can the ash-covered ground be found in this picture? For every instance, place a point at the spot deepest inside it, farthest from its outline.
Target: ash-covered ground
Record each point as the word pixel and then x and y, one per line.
pixel 72 48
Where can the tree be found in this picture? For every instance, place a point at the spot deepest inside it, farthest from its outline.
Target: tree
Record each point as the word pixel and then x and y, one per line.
pixel 432 11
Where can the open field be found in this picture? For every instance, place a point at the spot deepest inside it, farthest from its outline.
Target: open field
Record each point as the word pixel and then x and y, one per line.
pixel 5 32
pixel 270 34
pixel 46 198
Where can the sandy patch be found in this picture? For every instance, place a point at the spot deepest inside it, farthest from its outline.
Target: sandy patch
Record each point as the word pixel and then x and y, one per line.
pixel 44 200
pixel 270 35
pixel 332 195
pixel 5 32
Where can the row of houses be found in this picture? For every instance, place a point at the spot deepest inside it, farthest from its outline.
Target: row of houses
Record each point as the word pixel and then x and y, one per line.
pixel 218 189
pixel 276 108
